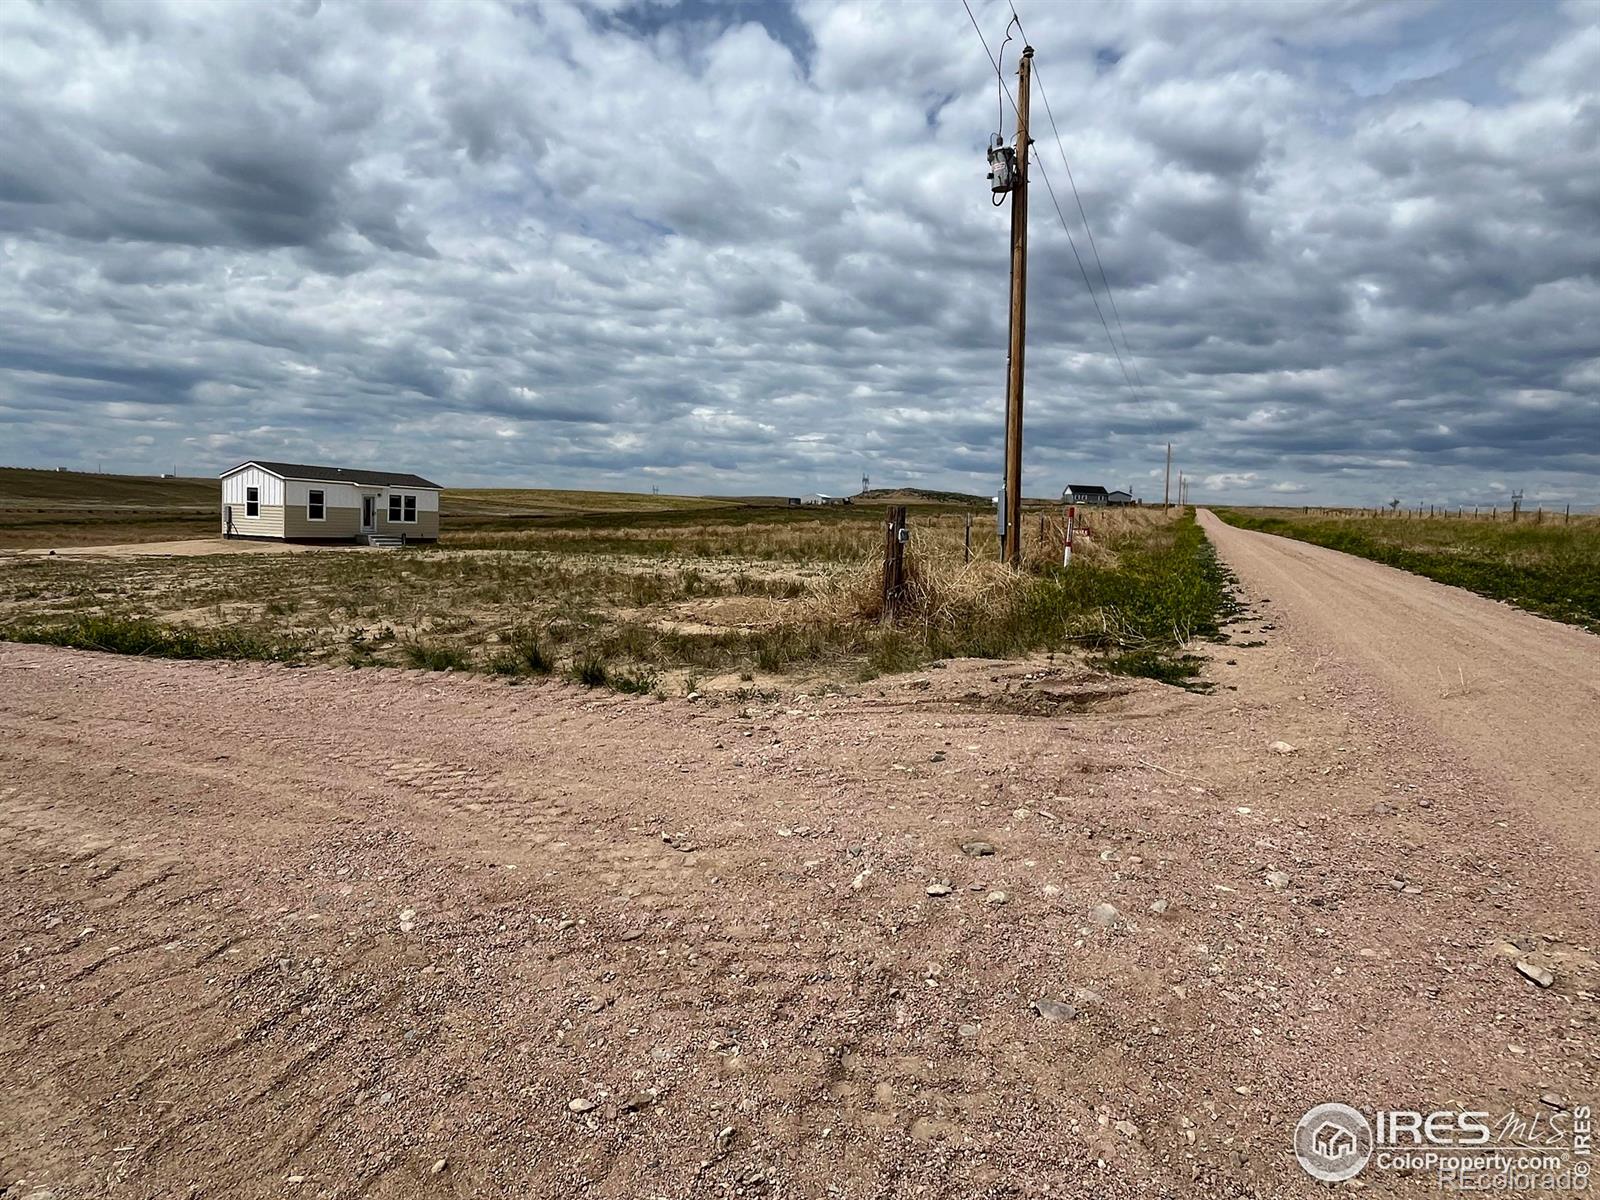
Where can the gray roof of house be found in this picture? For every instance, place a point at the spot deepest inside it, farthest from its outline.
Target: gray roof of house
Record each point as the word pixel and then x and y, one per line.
pixel 336 474
pixel 1086 489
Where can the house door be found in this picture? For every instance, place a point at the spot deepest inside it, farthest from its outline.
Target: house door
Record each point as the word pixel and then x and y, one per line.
pixel 369 508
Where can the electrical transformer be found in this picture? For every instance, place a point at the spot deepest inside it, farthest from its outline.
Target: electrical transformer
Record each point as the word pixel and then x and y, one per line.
pixel 1002 166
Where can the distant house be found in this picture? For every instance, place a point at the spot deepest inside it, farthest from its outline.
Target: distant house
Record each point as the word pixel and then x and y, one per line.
pixel 1084 493
pixel 822 498
pixel 296 502
pixel 1119 498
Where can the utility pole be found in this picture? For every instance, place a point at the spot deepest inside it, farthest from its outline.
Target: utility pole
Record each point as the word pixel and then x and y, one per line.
pixel 1019 306
pixel 1166 483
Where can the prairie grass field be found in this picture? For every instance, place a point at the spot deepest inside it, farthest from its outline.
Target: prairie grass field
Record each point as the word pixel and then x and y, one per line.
pixel 73 508
pixel 1544 563
pixel 47 508
pixel 650 594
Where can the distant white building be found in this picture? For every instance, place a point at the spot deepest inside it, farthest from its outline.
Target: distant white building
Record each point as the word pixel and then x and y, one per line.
pixel 823 498
pixel 1116 498
pixel 295 502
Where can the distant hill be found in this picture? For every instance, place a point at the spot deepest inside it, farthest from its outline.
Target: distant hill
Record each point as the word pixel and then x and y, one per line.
pixel 84 508
pixel 25 487
pixel 931 496
pixel 920 496
pixel 554 502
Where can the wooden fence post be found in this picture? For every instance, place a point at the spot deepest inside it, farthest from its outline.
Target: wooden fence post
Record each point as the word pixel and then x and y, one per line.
pixel 894 561
pixel 969 535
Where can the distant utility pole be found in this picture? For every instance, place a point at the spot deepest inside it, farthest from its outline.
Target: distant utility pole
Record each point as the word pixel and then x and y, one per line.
pixel 1019 306
pixel 1166 482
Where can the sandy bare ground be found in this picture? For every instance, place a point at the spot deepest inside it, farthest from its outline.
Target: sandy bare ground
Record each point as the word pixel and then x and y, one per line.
pixel 186 548
pixel 275 932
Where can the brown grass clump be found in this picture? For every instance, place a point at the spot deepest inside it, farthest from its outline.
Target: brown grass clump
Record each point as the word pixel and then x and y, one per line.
pixel 939 594
pixel 945 593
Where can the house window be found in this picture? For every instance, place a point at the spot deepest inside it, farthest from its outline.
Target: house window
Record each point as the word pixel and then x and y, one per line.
pixel 402 509
pixel 394 508
pixel 252 502
pixel 411 510
pixel 315 510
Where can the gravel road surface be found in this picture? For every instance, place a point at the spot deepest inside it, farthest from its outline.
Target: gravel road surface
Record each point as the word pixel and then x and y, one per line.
pixel 1515 694
pixel 338 933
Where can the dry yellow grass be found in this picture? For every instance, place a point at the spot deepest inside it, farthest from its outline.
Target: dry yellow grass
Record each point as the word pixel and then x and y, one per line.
pixel 944 590
pixel 646 594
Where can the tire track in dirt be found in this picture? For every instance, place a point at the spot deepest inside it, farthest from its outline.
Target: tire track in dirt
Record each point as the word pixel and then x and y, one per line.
pixel 877 1039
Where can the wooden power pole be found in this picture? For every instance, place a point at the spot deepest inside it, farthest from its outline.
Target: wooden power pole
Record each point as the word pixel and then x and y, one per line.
pixel 1166 483
pixel 1019 307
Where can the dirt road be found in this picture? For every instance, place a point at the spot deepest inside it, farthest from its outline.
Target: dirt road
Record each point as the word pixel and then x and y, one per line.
pixel 1515 694
pixel 337 933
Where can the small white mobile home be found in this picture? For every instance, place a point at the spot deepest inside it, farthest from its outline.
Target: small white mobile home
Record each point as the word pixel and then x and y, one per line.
pixel 296 502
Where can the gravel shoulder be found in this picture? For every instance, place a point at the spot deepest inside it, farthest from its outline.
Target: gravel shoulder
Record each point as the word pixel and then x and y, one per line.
pixel 323 932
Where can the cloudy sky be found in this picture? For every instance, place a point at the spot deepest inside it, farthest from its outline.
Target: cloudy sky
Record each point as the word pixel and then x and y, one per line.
pixel 729 247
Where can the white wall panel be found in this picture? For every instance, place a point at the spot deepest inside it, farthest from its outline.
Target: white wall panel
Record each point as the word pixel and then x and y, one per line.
pixel 233 486
pixel 335 495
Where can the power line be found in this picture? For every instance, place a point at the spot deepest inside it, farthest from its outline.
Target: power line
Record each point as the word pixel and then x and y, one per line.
pixel 1104 279
pixel 1082 270
pixel 1060 216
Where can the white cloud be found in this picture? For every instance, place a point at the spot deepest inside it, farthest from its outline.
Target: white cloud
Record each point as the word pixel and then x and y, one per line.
pixel 752 249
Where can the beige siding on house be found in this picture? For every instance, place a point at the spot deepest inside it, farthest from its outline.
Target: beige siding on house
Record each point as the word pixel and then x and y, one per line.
pixel 268 524
pixel 340 523
pixel 235 498
pixel 425 526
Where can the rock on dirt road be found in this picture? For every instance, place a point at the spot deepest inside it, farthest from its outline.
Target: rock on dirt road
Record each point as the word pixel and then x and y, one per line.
pixel 275 932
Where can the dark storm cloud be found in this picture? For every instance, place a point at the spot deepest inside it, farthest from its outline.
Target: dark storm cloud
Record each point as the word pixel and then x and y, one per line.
pixel 748 247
